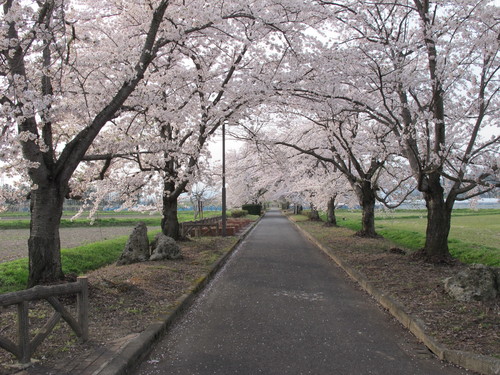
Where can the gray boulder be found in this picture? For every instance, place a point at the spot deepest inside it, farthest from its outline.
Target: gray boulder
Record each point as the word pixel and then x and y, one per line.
pixel 137 247
pixel 477 283
pixel 164 247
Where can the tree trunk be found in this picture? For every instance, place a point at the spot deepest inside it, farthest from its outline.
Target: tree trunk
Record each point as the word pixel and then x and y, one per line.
pixel 331 219
pixel 314 215
pixel 170 223
pixel 368 207
pixel 44 243
pixel 438 222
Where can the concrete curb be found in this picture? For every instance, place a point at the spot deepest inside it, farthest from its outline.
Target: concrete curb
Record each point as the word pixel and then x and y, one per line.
pixel 139 347
pixel 470 361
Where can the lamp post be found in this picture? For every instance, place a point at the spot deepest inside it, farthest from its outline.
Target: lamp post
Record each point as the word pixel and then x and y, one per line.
pixel 224 217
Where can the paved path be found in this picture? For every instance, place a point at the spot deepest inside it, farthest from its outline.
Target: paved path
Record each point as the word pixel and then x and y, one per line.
pixel 281 307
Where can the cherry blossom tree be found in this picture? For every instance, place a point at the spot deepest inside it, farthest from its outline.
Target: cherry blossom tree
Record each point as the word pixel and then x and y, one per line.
pixel 37 62
pixel 352 145
pixel 261 171
pixel 67 70
pixel 256 173
pixel 429 72
pixel 315 183
pixel 209 81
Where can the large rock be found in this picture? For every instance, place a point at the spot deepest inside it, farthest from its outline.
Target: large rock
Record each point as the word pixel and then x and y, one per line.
pixel 164 247
pixel 137 247
pixel 477 283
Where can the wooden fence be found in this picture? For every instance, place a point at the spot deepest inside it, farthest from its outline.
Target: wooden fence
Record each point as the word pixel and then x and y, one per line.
pixel 201 227
pixel 26 347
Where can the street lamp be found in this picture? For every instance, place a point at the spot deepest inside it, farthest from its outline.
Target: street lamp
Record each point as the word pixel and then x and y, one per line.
pixel 224 216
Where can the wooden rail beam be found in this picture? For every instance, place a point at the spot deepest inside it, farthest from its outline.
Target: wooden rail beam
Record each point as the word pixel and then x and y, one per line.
pixel 25 348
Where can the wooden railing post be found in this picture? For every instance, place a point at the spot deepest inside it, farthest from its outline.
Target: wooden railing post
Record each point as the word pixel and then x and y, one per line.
pixel 82 307
pixel 23 332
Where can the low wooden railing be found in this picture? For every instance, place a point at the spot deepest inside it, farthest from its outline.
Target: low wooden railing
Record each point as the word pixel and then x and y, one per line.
pixel 201 226
pixel 26 347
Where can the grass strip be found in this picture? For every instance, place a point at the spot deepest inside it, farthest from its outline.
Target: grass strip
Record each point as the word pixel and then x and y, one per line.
pixel 466 252
pixel 415 214
pixel 81 259
pixel 77 260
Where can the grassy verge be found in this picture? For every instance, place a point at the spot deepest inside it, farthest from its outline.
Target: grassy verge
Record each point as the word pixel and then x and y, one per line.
pixel 474 235
pixel 77 260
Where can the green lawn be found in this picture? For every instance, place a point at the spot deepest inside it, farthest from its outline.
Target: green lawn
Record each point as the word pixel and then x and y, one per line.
pixel 474 235
pixel 78 260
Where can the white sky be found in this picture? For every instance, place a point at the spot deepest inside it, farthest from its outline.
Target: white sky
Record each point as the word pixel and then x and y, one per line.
pixel 215 147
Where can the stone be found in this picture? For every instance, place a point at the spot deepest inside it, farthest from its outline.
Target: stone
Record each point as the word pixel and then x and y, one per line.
pixel 164 247
pixel 397 250
pixel 477 283
pixel 137 246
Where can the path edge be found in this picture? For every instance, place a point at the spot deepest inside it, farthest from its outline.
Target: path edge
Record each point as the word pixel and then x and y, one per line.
pixel 471 361
pixel 140 346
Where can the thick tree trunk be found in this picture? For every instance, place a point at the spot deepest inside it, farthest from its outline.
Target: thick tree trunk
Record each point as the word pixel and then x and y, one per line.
pixel 44 243
pixel 331 219
pixel 438 222
pixel 170 223
pixel 368 207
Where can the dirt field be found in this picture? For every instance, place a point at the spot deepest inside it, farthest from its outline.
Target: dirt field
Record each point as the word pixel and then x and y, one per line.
pixel 14 242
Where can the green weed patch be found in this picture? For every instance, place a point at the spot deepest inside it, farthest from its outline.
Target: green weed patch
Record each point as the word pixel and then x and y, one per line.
pixel 78 260
pixel 474 235
pixel 14 275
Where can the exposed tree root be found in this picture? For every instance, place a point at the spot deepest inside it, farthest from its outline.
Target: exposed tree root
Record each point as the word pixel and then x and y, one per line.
pixel 445 260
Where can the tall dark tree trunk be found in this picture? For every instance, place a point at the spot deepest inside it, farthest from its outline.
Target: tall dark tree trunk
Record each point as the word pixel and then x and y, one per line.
pixel 438 221
pixel 170 222
pixel 44 243
pixel 331 219
pixel 367 201
pixel 297 209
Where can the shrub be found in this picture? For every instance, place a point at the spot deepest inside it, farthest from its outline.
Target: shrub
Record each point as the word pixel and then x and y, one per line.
pixel 252 209
pixel 312 215
pixel 238 213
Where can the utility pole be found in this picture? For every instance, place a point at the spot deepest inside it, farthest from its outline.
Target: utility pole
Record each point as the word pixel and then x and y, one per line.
pixel 224 216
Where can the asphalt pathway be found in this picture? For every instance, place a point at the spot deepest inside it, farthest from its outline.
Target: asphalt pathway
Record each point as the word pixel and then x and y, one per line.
pixel 280 306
